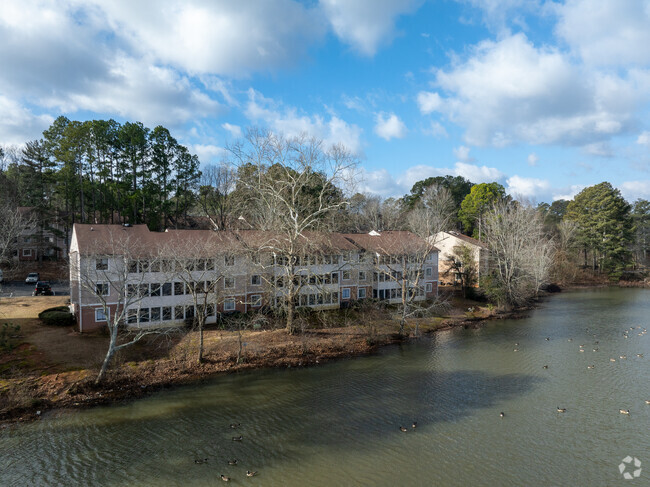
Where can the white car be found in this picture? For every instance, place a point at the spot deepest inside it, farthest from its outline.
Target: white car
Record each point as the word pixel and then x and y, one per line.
pixel 32 278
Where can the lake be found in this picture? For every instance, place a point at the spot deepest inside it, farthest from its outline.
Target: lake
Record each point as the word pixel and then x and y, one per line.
pixel 339 424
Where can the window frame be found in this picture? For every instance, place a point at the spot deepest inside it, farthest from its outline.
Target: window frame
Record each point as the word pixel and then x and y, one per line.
pixel 344 291
pixel 104 286
pixel 227 302
pixel 105 315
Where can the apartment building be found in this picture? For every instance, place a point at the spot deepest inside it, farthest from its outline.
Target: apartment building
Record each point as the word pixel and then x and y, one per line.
pixel 448 243
pixel 165 278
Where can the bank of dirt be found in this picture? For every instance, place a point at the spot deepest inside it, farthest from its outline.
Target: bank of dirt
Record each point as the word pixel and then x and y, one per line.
pixel 51 367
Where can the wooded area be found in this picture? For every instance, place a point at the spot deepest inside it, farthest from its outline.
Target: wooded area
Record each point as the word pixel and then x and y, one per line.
pixel 102 171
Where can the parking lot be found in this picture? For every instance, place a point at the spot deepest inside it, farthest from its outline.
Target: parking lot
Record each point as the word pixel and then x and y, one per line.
pixel 19 288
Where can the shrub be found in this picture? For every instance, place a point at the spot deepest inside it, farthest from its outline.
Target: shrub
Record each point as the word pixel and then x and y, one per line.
pixel 59 316
pixel 6 335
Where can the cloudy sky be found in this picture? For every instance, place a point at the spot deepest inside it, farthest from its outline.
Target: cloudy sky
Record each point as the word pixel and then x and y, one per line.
pixel 545 97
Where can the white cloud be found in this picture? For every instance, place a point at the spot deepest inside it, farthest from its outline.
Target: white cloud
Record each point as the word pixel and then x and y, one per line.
pixel 632 190
pixel 288 122
pixel 600 149
pixel 428 102
pixel 568 193
pixel 226 38
pixel 382 183
pixel 532 159
pixel 644 138
pixel 607 32
pixel 389 126
pixel 527 188
pixel 436 129
pixel 462 154
pixel 234 130
pixel 509 91
pixel 497 14
pixel 151 94
pixel 477 174
pixel 366 24
pixel 208 153
pixel 18 125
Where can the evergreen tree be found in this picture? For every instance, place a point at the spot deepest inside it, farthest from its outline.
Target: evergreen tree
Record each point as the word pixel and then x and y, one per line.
pixel 605 227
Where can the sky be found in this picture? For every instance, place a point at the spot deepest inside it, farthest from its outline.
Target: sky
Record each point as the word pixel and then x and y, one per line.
pixel 544 97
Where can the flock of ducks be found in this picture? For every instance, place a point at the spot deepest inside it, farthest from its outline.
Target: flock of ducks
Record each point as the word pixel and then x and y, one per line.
pixel 592 366
pixel 404 429
pixel 232 461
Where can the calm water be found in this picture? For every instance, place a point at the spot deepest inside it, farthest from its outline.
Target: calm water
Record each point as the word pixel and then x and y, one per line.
pixel 338 424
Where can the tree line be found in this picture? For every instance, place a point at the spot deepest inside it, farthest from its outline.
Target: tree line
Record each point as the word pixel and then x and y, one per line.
pixel 102 171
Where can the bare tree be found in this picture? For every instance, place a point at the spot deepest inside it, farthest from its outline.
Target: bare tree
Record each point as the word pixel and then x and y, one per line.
pixel 520 252
pixel 217 184
pixel 462 264
pixel 433 214
pixel 199 266
pixel 293 185
pixel 12 224
pixel 114 273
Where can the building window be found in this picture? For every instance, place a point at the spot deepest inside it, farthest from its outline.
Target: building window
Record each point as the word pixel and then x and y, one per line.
pixel 155 314
pixel 166 313
pixel 179 312
pixel 101 264
pixel 335 277
pixel 229 283
pixel 256 280
pixel 132 316
pixel 362 292
pixel 345 293
pixel 179 288
pixel 362 275
pixel 167 289
pixel 143 315
pixel 229 305
pixel 428 271
pixel 346 275
pixel 189 312
pixel 27 252
pixel 210 310
pixel 155 289
pixel 256 300
pixel 229 260
pixel 429 287
pixel 100 315
pixel 101 289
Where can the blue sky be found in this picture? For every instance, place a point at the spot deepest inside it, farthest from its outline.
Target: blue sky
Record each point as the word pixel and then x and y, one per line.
pixel 544 97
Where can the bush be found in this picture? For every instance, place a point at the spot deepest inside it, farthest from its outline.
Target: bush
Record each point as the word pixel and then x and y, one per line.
pixel 59 316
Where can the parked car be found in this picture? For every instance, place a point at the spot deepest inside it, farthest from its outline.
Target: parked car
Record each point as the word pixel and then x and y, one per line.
pixel 43 288
pixel 32 278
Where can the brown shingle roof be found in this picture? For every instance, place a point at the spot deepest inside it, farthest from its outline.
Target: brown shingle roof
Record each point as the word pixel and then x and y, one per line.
pixel 467 239
pixel 390 242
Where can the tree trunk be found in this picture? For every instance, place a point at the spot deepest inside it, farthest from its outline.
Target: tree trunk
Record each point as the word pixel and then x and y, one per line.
pixel 107 361
pixel 290 312
pixel 200 343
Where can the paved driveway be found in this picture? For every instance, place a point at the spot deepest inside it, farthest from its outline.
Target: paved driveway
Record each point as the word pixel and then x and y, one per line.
pixel 19 288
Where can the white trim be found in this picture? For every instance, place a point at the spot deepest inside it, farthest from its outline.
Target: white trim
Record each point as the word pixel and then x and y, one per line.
pixel 343 291
pixel 229 300
pixel 106 315
pixel 25 254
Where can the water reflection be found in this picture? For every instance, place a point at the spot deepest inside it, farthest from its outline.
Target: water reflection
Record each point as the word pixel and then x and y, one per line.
pixel 339 424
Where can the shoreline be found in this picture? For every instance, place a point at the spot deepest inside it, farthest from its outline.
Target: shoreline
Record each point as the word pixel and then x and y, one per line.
pixel 131 381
